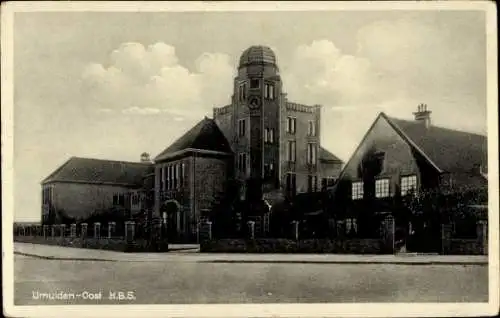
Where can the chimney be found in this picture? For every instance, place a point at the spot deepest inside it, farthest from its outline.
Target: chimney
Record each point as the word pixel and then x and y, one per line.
pixel 145 157
pixel 423 115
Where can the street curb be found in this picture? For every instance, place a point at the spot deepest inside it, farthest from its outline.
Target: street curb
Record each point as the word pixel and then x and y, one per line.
pixel 421 263
pixel 346 262
pixel 64 258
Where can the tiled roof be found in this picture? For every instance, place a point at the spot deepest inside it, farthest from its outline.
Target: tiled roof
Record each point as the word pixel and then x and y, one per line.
pixel 257 54
pixel 205 135
pixel 101 171
pixel 450 150
pixel 327 155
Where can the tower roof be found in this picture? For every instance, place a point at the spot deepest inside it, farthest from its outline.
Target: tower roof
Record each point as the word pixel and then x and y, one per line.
pixel 257 54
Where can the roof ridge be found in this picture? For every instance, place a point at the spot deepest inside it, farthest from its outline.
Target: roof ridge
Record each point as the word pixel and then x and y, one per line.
pixel 440 127
pixel 111 160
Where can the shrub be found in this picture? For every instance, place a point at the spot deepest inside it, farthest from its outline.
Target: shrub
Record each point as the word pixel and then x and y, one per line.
pixel 354 246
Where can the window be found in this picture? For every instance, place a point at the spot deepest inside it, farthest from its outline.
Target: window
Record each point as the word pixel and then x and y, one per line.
pixel 115 199
pixel 311 128
pixel 118 199
pixel 351 226
pixel 242 92
pixel 291 125
pixel 183 173
pixel 408 184
pixel 268 170
pixel 269 91
pixel 312 183
pixel 327 182
pixel 254 83
pixel 170 177
pixel 291 153
pixel 268 135
pixel 382 188
pixel 357 190
pixel 311 153
pixel 242 162
pixel 241 127
pixel 135 199
pixel 290 183
pixel 175 171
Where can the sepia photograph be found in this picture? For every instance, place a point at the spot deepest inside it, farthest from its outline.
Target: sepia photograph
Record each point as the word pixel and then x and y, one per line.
pixel 249 159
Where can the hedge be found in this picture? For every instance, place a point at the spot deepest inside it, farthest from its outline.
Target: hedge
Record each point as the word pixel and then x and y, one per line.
pixel 351 246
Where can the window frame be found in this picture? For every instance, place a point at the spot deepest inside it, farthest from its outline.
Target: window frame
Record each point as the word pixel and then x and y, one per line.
pixel 242 127
pixel 312 153
pixel 382 191
pixel 403 191
pixel 360 190
pixel 291 125
pixel 291 151
pixel 311 128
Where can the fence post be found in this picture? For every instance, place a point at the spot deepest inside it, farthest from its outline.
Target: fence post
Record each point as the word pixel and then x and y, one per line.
pixel 446 230
pixel 129 231
pixel 482 234
pixel 45 231
pixel 97 230
pixel 111 229
pixel 53 230
pixel 62 228
pixel 73 230
pixel 251 229
pixel 389 233
pixel 295 230
pixel 84 230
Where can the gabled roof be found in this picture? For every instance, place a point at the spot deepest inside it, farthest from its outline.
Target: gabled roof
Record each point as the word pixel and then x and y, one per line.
pixel 89 170
pixel 205 135
pixel 447 150
pixel 326 155
pixel 450 150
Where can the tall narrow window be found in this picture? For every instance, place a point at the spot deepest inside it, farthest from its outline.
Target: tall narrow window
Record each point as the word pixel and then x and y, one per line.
pixel 271 135
pixel 291 153
pixel 408 185
pixel 291 125
pixel 170 177
pixel 178 175
pixel 382 188
pixel 312 183
pixel 311 153
pixel 311 129
pixel 357 190
pixel 243 92
pixel 290 183
pixel 242 162
pixel 266 135
pixel 269 91
pixel 241 127
pixel 183 173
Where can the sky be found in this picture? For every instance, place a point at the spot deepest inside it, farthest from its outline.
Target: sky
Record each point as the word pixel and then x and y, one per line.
pixel 113 85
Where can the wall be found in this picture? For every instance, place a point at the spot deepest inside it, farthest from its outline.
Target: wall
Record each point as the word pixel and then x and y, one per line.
pixel 303 115
pixel 80 199
pixel 329 170
pixel 399 160
pixel 210 175
pixel 224 118
pixel 181 193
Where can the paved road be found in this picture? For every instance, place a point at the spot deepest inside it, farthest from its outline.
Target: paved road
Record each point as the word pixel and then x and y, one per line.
pixel 205 282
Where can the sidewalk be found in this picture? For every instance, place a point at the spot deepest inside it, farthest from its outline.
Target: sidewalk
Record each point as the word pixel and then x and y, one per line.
pixel 69 253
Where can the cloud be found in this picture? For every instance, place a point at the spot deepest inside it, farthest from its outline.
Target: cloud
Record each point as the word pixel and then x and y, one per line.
pixel 150 80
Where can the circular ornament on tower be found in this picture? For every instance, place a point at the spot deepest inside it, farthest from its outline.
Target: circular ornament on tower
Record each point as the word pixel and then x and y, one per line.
pixel 254 102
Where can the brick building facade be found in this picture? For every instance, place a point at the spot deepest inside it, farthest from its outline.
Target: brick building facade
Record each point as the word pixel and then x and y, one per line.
pixel 261 138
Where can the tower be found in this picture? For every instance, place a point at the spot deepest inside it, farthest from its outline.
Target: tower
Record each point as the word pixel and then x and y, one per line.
pixel 256 117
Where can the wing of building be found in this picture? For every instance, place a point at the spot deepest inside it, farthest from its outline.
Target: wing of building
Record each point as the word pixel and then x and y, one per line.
pixel 259 138
pixel 83 186
pixel 397 156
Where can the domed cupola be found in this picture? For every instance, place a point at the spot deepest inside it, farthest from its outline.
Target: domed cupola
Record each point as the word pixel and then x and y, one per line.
pixel 257 55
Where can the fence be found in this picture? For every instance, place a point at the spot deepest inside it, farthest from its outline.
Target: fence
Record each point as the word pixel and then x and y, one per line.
pixel 112 235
